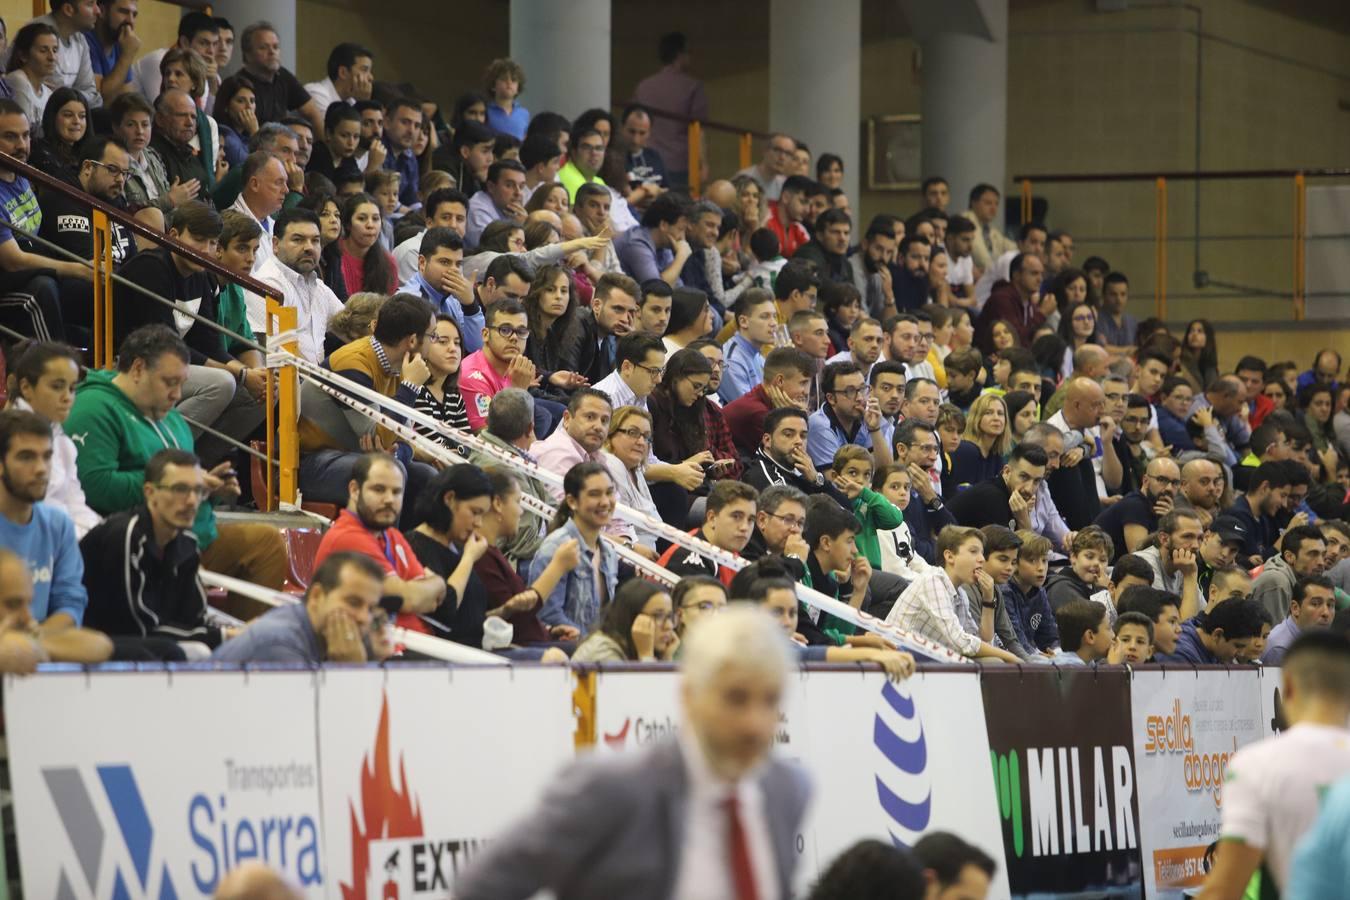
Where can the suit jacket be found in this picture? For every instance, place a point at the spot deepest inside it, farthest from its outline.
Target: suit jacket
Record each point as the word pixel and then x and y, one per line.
pixel 613 826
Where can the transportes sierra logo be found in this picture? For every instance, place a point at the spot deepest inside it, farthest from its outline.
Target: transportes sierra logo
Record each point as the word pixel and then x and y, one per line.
pixel 904 788
pixel 75 805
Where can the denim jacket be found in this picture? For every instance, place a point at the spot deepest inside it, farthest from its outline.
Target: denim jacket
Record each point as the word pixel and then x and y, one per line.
pixel 576 599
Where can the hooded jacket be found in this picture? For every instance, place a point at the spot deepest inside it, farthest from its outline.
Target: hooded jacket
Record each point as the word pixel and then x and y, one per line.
pixel 115 442
pixel 1274 588
pixel 138 591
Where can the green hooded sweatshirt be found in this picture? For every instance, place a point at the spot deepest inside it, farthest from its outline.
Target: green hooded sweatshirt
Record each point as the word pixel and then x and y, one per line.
pixel 115 442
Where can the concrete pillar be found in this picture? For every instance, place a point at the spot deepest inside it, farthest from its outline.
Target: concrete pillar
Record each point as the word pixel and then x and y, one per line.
pixel 242 13
pixel 815 59
pixel 564 47
pixel 965 92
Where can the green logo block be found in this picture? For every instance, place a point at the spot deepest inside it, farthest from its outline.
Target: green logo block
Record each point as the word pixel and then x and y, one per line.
pixel 1008 782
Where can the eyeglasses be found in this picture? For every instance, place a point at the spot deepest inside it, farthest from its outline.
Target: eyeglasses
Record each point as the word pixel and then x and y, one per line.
pixel 634 434
pixel 701 388
pixel 184 491
pixel 661 617
pixel 506 332
pixel 851 393
pixel 716 364
pixel 114 171
pixel 1166 482
pixel 591 148
pixel 654 371
pixel 792 522
pixel 1085 318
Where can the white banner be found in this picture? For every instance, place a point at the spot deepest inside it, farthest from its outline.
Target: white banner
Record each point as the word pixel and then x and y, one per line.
pixel 153 785
pixel 1186 727
pixel 1272 712
pixel 420 766
pixel 886 761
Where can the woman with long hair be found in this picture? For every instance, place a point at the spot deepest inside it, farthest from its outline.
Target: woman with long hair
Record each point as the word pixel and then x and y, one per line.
pixel 326 207
pixel 1199 354
pixel 1317 403
pixel 236 114
pixel 639 626
pixel 32 60
pixel 588 497
pixel 65 127
pixel 690 319
pixel 357 261
pixel 1278 392
pixel 1078 327
pixel 551 197
pixel 750 206
pixel 448 544
pixel 1023 412
pixel 551 309
pixel 625 455
pixel 985 443
pixel 439 398
pixel 939 291
pixel 1003 335
pixel 470 105
pixel 679 426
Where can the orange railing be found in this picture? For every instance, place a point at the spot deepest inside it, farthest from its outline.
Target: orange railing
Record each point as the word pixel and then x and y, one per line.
pixel 745 143
pixel 282 442
pixel 1298 236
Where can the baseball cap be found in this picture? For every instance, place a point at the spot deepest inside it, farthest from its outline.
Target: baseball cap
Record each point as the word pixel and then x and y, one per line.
pixel 1230 529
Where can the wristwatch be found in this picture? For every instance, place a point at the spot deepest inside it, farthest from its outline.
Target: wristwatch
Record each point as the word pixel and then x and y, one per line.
pixel 989 604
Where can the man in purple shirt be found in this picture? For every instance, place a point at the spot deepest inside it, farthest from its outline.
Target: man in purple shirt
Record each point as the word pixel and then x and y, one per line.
pixel 673 90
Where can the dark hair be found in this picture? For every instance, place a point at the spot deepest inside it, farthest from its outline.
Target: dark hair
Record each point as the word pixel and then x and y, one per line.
pixel 831 374
pixel 220 106
pixel 538 148
pixel 93 147
pixel 573 484
pixel 790 359
pixel 507 307
pixel 776 417
pixel 148 343
pixel 1237 618
pixel 1015 401
pixel 689 582
pixel 329 572
pixel 345 55
pixel 169 456
pixel 825 161
pixel 1295 538
pixel 196 22
pixel 1135 618
pixel 616 622
pixel 726 492
pixel 1272 473
pixel 400 316
pixel 980 190
pixel 1075 618
pixel 654 287
pixel 378 270
pixel 1131 565
pixel 686 308
pixel 797 275
pixel 1145 599
pixel 444 195
pixel 764 245
pixel 292 215
pixel 464 481
pixel 21 421
pixel 1000 537
pixel 434 239
pixel 1301 585
pixel 32 362
pixel 828 520
pixel 946 854
pixel 504 165
pixel 635 346
pixel 59 98
pixel 586 122
pixel 667 208
pixel 871 870
pixel 831 216
pixel 671 45
pixel 22 46
pixel 580 394
pixel 959 224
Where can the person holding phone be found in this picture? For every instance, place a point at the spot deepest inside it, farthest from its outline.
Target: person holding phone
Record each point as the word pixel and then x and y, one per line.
pixel 848 415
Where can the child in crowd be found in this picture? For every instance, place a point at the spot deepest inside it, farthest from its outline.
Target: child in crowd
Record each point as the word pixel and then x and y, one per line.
pixel 851 473
pixel 1001 546
pixel 897 544
pixel 769 261
pixel 1134 639
pixel 965 376
pixel 1085 637
pixel 1024 595
pixel 236 250
pixel 383 185
pixel 951 425
pixel 1086 576
pixel 1161 608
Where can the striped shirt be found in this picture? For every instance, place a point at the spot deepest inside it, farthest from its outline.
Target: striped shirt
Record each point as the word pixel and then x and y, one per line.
pixel 449 411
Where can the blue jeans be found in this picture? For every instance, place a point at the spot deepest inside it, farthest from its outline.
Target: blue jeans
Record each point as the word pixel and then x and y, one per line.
pixel 325 474
pixel 547 415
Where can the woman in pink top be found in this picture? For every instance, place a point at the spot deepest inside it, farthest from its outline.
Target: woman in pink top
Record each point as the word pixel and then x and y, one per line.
pixel 365 264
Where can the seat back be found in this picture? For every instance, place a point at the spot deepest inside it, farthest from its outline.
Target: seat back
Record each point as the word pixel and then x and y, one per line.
pixel 302 546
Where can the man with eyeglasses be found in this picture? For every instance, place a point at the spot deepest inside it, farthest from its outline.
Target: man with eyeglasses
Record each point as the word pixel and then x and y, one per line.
pixel 1135 516
pixel 917 448
pixel 848 415
pixel 774 167
pixel 642 360
pixel 586 158
pixel 141 564
pixel 779 522
pixel 501 363
pixel 1135 426
pixel 104 165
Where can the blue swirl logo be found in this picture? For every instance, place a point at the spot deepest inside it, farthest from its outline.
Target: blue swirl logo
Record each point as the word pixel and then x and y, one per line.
pixel 904 788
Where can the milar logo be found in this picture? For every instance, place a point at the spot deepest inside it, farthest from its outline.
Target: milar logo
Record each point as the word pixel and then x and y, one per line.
pixel 904 788
pixel 392 858
pixel 1173 735
pixel 1077 800
pixel 287 842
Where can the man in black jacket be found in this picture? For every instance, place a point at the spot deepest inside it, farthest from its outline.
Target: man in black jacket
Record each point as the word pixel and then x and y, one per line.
pixel 916 448
pixel 140 565
pixel 1007 500
pixel 612 314
pixel 221 391
pixel 782 458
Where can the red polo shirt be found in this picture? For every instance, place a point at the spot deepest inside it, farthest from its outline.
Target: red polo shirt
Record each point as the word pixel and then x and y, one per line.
pixel 388 548
pixel 745 418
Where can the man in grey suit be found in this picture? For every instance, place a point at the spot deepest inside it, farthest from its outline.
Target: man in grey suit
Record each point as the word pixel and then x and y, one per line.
pixel 710 815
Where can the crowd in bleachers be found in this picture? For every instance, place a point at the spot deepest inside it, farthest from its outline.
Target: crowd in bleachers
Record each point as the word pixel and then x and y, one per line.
pixel 966 434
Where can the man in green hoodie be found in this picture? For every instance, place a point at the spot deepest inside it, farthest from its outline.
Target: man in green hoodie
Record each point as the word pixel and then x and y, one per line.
pixel 120 419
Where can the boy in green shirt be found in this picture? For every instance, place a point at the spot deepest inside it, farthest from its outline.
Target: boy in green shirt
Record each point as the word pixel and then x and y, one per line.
pixel 236 250
pixel 851 473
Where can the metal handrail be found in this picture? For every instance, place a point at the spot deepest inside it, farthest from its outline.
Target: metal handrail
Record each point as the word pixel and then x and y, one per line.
pixel 695 128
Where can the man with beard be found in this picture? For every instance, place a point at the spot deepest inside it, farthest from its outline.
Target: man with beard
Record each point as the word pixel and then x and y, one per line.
pixel 367 526
pixel 1135 516
pixel 1302 554
pixel 828 249
pixel 911 282
pixel 43 538
pixel 905 344
pixel 1008 499
pixel 292 270
pixel 872 269
pixel 781 458
pixel 1202 485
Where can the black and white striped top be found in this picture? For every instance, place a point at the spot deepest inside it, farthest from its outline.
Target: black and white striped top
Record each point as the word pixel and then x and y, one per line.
pixel 450 411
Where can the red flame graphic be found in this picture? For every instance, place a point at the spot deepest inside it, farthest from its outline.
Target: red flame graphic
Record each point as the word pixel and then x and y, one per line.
pixel 621 737
pixel 389 812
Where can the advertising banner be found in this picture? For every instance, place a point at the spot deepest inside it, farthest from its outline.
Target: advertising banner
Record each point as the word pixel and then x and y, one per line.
pixel 1186 726
pixel 153 785
pixel 893 761
pixel 1065 781
pixel 1272 710
pixel 421 766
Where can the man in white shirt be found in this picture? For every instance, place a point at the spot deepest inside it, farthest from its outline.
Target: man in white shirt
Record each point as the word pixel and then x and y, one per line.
pixel 639 362
pixel 771 171
pixel 736 807
pixel 265 186
pixel 293 271
pixel 71 18
pixel 351 75
pixel 1272 789
pixel 961 268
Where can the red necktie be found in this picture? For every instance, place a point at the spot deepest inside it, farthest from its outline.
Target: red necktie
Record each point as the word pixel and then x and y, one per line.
pixel 742 872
